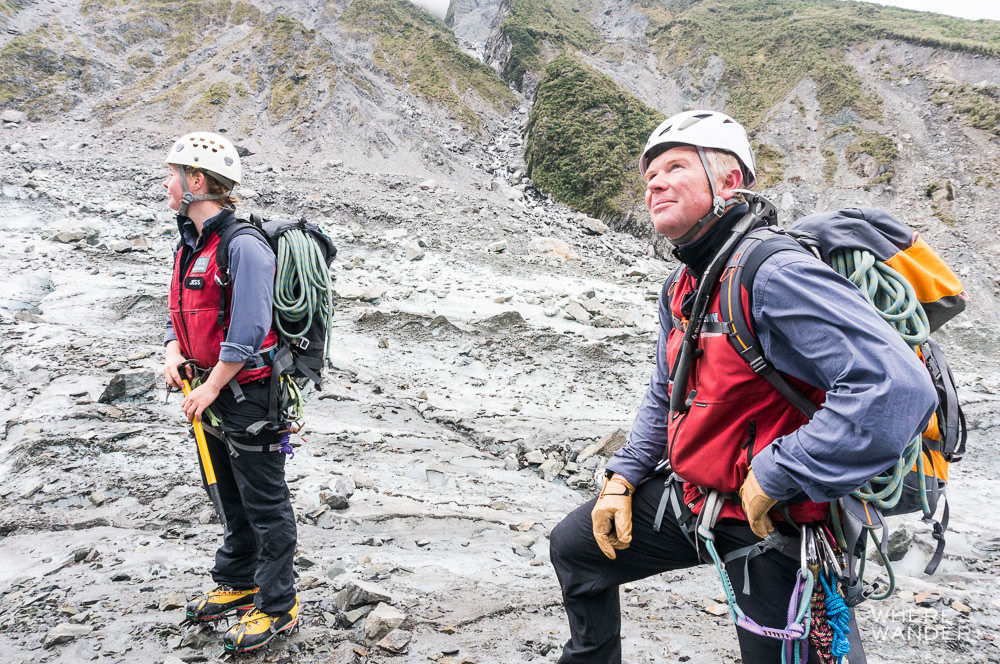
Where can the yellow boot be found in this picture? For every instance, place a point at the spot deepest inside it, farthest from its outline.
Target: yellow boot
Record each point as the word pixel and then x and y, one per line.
pixel 220 602
pixel 257 628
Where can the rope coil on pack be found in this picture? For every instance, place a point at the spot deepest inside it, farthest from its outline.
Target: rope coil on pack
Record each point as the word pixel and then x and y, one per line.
pixel 302 286
pixel 894 299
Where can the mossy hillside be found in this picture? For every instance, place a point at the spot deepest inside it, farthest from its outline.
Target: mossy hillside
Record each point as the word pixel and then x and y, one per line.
pixel 879 147
pixel 941 194
pixel 418 50
pixel 769 46
pixel 770 165
pixel 11 7
pixel 181 26
pixel 297 63
pixel 531 25
pixel 829 165
pixel 978 106
pixel 141 61
pixel 279 63
pixel 584 135
pixel 42 72
pixel 215 95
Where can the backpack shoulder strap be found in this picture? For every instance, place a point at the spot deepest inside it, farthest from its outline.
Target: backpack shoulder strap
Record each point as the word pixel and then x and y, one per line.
pixel 667 293
pixel 738 277
pixel 226 235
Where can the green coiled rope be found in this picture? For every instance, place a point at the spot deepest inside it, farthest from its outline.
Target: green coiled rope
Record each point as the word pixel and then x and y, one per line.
pixel 896 301
pixel 302 287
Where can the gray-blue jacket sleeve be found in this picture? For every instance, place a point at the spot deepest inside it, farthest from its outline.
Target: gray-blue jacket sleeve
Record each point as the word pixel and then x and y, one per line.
pixel 251 267
pixel 817 326
pixel 169 334
pixel 644 448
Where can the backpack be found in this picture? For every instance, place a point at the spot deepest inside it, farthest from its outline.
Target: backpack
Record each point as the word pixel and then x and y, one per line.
pixel 916 292
pixel 303 304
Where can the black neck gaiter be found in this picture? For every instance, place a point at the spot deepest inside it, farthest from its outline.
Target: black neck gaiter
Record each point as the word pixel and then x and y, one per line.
pixel 697 254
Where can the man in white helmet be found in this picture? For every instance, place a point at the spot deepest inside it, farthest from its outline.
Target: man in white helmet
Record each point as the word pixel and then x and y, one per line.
pixel 726 431
pixel 220 335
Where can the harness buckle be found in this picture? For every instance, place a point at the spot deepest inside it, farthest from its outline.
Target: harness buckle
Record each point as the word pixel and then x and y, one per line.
pixel 222 277
pixel 758 364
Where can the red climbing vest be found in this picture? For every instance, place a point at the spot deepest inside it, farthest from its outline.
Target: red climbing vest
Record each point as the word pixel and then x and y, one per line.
pixel 194 312
pixel 735 414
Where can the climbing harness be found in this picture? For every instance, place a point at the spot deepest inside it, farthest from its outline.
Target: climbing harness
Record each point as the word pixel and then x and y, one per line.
pixel 795 634
pixel 817 612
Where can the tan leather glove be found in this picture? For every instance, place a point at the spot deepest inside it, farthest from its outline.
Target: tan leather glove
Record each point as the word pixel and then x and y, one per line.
pixel 757 504
pixel 612 516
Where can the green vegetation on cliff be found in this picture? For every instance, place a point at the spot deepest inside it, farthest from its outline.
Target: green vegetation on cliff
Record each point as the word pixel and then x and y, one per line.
pixel 877 147
pixel 584 135
pixel 181 25
pixel 979 106
pixel 297 62
pixel 530 25
pixel 11 7
pixel 40 71
pixel 770 165
pixel 769 46
pixel 282 63
pixel 418 50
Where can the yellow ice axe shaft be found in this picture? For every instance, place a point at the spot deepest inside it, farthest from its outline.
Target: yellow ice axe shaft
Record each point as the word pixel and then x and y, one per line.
pixel 206 460
pixel 199 436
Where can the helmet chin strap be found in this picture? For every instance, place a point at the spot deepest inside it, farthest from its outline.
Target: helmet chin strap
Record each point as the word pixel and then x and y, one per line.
pixel 188 198
pixel 719 205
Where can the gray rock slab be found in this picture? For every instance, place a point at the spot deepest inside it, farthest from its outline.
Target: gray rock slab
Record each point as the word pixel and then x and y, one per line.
pixel 359 593
pixel 383 620
pixel 128 384
pixel 64 633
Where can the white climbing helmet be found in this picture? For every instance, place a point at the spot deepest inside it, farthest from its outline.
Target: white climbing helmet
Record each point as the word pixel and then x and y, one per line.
pixel 704 129
pixel 210 152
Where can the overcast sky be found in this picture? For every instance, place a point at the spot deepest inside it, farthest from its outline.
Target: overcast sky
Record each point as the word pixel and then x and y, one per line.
pixel 973 9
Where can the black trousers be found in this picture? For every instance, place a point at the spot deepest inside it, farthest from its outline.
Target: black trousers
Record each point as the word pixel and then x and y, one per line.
pixel 590 581
pixel 259 543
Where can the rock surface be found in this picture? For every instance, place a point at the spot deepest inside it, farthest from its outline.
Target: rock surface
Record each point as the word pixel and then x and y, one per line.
pixel 517 349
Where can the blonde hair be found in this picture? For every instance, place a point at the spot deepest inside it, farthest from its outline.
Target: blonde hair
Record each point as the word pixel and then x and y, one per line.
pixel 721 163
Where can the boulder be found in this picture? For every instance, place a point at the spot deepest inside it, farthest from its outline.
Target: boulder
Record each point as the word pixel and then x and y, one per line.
pixel 576 311
pixel 605 447
pixel 592 226
pixel 64 633
pixel 900 541
pixel 359 593
pixel 550 469
pixel 10 115
pixel 128 384
pixel 383 620
pixel 396 641
pixel 374 293
pixel 534 457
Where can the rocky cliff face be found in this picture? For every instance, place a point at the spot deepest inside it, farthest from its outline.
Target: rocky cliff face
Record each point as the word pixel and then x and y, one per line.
pixel 489 342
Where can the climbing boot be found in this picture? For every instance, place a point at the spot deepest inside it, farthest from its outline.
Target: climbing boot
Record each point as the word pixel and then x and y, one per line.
pixel 256 629
pixel 220 602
